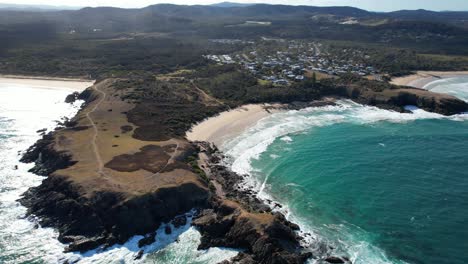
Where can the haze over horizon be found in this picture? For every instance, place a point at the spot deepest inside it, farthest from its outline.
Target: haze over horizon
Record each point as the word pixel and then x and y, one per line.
pixel 371 5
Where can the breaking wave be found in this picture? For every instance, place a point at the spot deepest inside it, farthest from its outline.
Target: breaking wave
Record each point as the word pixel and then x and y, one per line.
pixel 242 151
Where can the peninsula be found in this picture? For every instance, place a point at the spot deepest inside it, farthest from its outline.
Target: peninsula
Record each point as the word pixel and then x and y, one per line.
pixel 123 166
pixel 129 161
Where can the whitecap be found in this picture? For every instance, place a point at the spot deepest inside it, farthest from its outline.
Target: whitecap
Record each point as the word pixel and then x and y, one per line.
pixel 274 156
pixel 242 151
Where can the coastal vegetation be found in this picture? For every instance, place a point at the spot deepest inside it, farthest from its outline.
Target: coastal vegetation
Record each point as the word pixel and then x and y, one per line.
pixel 155 80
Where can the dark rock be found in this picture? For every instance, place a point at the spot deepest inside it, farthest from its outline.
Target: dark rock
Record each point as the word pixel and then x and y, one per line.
pixel 45 157
pixel 179 221
pixel 147 240
pixel 41 131
pixel 71 98
pixel 168 230
pixel 334 260
pixel 85 244
pixel 139 255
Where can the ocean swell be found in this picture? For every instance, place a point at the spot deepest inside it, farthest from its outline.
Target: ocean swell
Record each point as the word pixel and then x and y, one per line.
pixel 249 146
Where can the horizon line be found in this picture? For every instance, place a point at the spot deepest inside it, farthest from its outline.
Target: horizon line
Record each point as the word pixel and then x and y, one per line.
pixel 46 7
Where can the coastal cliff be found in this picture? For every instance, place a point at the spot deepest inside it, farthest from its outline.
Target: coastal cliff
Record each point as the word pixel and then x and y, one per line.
pixel 104 184
pixel 90 194
pixel 122 167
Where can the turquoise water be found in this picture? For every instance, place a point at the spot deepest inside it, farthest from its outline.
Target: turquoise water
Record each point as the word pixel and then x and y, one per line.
pixel 380 186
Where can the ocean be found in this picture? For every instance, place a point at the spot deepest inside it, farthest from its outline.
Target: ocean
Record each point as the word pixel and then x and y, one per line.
pixel 378 186
pixel 374 185
pixel 25 109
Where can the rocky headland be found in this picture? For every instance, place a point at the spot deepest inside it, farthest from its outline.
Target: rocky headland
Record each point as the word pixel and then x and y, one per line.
pixel 122 167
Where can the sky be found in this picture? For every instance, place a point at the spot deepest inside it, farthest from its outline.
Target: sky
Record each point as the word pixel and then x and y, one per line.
pixel 372 5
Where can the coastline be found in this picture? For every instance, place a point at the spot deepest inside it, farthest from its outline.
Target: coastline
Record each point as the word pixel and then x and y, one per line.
pixel 422 78
pixel 227 213
pixel 229 124
pixel 68 195
pixel 72 84
pixel 210 136
pixel 40 109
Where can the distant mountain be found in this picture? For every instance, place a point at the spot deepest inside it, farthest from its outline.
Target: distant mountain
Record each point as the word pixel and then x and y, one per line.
pixel 169 17
pixel 18 7
pixel 231 4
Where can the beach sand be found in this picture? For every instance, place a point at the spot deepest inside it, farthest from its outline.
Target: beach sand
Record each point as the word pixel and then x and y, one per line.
pixel 229 124
pixel 422 78
pixel 47 82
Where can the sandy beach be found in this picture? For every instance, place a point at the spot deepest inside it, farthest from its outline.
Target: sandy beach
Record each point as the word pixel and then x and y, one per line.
pixel 422 78
pixel 228 124
pixel 47 82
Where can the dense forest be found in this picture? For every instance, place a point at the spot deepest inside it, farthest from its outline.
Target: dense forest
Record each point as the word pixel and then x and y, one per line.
pixel 95 42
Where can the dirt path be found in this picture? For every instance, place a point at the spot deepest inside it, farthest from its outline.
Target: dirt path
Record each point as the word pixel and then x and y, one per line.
pixel 169 161
pixel 207 98
pixel 100 164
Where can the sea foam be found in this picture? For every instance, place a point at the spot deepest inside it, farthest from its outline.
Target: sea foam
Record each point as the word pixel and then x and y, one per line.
pixel 249 146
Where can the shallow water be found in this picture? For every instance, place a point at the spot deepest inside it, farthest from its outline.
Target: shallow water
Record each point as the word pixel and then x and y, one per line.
pixel 23 111
pixel 380 186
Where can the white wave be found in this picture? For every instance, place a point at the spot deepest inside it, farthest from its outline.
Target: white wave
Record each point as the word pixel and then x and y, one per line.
pixel 250 145
pixel 24 111
pixel 274 156
pixel 178 247
pixel 242 151
pixel 456 86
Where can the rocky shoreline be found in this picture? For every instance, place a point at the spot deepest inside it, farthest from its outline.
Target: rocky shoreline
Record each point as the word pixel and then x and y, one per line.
pixel 91 211
pixel 237 220
pixel 227 185
pixel 102 219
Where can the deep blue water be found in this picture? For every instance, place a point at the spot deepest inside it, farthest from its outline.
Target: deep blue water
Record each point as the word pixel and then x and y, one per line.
pixel 380 186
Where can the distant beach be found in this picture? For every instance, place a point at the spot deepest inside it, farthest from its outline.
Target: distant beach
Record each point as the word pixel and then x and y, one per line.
pixel 72 84
pixel 422 78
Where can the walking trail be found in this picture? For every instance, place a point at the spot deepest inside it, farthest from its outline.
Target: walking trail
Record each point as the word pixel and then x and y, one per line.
pixel 100 164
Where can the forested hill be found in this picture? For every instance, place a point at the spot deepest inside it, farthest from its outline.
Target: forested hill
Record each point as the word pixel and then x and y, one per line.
pixel 200 12
pixel 103 39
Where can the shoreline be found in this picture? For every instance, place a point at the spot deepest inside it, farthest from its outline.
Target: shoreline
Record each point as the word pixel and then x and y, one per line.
pixel 55 83
pixel 231 185
pixel 422 78
pixel 249 216
pixel 229 124
pixel 63 191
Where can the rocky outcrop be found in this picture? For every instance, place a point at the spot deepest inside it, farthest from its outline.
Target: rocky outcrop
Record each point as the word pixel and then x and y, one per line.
pixel 106 218
pixel 266 237
pixel 432 102
pixel 90 209
pixel 71 98
pixel 45 157
pixel 397 99
pixel 238 219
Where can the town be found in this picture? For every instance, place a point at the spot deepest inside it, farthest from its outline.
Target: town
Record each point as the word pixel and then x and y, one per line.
pixel 282 62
